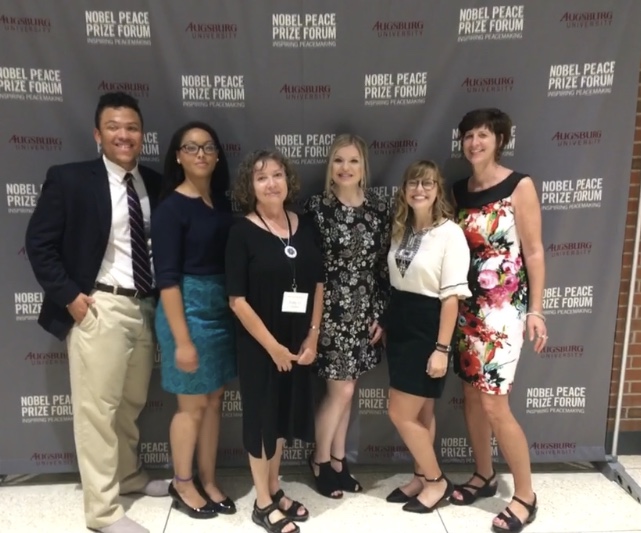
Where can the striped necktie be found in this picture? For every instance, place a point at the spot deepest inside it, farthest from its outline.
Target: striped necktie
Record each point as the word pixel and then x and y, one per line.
pixel 139 251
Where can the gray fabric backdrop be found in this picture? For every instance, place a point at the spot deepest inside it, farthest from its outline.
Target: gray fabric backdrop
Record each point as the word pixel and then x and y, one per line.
pixel 292 74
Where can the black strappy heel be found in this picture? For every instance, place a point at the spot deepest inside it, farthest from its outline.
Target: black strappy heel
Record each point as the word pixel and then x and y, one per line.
pixel 468 497
pixel 348 483
pixel 514 524
pixel 327 480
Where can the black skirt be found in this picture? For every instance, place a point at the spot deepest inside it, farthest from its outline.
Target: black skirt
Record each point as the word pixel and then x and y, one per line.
pixel 412 330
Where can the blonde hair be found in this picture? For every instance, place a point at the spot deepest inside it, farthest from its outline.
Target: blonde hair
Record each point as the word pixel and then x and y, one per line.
pixel 403 215
pixel 341 141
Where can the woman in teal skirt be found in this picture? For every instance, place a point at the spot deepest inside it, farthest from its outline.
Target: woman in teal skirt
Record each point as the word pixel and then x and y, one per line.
pixel 194 325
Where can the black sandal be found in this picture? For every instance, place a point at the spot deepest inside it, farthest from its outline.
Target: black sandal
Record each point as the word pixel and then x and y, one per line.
pixel 327 480
pixel 260 517
pixel 514 524
pixel 398 496
pixel 484 491
pixel 347 482
pixel 292 511
pixel 415 505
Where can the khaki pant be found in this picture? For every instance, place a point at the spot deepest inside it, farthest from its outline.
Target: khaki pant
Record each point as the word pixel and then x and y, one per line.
pixel 110 362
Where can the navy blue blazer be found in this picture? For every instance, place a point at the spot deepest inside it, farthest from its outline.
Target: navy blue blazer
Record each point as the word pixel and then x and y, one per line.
pixel 68 233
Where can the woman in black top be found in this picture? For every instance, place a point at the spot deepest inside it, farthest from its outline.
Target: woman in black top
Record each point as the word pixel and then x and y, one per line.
pixel 275 290
pixel 194 326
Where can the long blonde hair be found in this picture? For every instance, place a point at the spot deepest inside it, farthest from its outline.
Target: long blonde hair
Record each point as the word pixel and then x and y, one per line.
pixel 341 141
pixel 403 215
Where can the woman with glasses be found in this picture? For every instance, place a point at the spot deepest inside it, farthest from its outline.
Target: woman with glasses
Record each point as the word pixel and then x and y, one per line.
pixel 194 326
pixel 353 223
pixel 428 264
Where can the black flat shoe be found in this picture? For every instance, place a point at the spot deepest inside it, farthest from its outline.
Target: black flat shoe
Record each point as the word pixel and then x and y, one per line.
pixel 292 512
pixel 206 511
pixel 398 496
pixel 514 524
pixel 487 490
pixel 415 505
pixel 327 479
pixel 227 506
pixel 261 517
pixel 347 482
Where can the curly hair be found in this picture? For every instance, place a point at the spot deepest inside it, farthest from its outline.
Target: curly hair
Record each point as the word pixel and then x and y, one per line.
pixel 341 141
pixel 403 214
pixel 495 120
pixel 243 189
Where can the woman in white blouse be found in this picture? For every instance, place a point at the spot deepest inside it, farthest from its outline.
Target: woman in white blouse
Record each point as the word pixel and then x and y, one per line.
pixel 428 264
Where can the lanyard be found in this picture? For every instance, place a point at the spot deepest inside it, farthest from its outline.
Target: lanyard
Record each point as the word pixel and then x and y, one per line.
pixel 290 251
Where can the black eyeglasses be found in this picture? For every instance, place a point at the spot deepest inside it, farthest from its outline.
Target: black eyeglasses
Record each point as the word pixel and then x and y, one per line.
pixel 193 148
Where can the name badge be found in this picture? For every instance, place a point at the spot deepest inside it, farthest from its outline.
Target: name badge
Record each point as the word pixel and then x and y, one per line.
pixel 294 302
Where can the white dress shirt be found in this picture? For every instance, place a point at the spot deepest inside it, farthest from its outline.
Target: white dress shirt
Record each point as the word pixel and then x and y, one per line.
pixel 116 268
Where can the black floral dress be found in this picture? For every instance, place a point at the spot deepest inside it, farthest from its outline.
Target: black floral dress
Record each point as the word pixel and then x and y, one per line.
pixel 354 241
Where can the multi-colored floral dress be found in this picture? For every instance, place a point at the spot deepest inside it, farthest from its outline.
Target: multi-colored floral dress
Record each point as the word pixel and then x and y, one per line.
pixel 491 324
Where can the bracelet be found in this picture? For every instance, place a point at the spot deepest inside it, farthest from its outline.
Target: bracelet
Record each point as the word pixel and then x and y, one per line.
pixel 443 348
pixel 314 328
pixel 536 314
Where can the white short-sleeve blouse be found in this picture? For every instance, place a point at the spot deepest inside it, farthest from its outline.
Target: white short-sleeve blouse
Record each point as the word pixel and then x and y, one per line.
pixel 434 262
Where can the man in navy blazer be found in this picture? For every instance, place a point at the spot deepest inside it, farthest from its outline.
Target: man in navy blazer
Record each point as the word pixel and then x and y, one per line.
pixel 88 244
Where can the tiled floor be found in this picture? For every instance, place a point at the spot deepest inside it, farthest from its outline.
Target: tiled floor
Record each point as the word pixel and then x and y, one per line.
pixel 572 498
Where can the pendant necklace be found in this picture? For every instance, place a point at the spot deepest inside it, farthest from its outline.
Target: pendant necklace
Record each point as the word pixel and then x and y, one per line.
pixel 290 251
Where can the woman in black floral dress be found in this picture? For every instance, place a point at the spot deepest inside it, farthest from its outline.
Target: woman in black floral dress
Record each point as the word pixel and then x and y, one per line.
pixel 354 226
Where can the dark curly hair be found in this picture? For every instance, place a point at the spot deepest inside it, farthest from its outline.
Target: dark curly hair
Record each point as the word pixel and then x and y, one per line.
pixel 243 189
pixel 495 120
pixel 174 174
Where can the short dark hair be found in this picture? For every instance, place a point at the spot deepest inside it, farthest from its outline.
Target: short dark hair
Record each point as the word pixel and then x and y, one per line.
pixel 174 174
pixel 116 99
pixel 243 190
pixel 495 120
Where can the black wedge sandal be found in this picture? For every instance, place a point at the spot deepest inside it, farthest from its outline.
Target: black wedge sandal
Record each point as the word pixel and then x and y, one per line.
pixel 415 505
pixel 292 512
pixel 468 497
pixel 327 479
pixel 348 483
pixel 514 524
pixel 398 496
pixel 260 517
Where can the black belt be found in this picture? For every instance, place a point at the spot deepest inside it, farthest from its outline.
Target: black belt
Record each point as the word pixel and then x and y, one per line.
pixel 122 291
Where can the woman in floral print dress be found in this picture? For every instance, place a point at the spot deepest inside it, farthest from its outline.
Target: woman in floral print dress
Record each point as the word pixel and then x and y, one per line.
pixel 354 227
pixel 500 214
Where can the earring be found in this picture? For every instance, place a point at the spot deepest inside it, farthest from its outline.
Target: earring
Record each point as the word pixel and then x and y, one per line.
pixel 178 161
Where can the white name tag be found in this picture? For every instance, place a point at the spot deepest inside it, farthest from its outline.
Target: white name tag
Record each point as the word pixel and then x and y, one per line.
pixel 294 302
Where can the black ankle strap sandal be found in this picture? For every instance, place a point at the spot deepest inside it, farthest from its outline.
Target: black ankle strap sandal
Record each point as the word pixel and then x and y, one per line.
pixel 514 524
pixel 260 517
pixel 292 512
pixel 486 490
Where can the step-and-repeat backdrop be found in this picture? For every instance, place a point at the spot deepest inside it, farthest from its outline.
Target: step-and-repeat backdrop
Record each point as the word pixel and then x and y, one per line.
pixel 291 75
